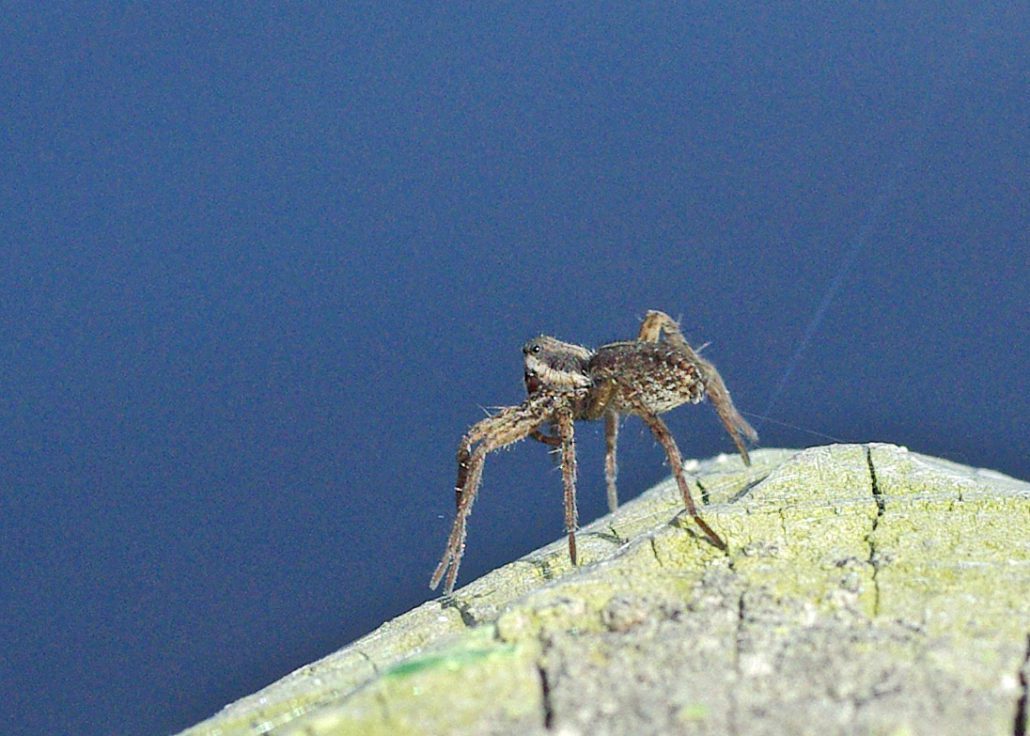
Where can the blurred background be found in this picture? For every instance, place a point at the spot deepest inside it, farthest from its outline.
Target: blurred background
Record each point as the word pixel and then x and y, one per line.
pixel 261 266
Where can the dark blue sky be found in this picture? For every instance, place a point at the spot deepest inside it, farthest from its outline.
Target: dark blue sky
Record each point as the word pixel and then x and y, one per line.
pixel 261 267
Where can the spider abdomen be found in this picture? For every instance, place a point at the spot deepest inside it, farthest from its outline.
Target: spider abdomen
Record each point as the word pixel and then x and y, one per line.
pixel 651 375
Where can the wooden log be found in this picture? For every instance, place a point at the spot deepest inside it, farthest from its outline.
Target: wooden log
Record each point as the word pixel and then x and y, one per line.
pixel 866 589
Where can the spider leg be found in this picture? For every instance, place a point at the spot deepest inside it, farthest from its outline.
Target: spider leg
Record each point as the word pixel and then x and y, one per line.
pixel 735 424
pixel 464 453
pixel 664 436
pixel 611 468
pixel 738 428
pixel 475 434
pixel 598 405
pixel 653 324
pixel 548 439
pixel 509 425
pixel 568 475
pixel 551 440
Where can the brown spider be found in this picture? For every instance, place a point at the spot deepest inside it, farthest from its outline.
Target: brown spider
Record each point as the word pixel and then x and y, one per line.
pixel 566 382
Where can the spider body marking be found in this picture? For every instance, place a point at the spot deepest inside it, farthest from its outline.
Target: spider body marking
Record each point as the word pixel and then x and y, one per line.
pixel 567 382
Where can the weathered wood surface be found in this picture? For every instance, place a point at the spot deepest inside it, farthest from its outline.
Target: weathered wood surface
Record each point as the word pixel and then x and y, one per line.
pixel 867 590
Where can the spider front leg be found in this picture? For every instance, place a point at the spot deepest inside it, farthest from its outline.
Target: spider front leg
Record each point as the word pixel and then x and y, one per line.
pixel 565 439
pixel 564 425
pixel 504 428
pixel 738 428
pixel 611 468
pixel 664 436
pixel 476 433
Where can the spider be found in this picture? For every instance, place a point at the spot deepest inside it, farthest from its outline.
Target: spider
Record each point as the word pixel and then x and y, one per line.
pixel 565 382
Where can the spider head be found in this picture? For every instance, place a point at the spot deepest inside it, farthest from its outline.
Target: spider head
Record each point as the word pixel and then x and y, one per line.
pixel 554 365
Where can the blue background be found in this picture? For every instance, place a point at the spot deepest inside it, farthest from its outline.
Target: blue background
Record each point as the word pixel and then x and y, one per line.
pixel 260 267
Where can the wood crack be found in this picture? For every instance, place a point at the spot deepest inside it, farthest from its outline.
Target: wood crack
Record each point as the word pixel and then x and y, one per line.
pixel 545 693
pixel 734 714
pixel 1019 726
pixel 881 509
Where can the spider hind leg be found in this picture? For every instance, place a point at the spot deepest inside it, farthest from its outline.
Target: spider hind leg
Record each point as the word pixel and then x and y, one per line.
pixel 651 329
pixel 664 437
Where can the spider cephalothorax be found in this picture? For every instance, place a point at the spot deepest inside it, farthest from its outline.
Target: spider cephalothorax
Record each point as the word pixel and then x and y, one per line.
pixel 566 382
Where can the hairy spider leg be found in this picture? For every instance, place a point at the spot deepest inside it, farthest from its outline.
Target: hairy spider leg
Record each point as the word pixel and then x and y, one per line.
pixel 611 467
pixel 464 453
pixel 475 434
pixel 735 424
pixel 737 427
pixel 506 427
pixel 565 426
pixel 664 436
pixel 551 440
